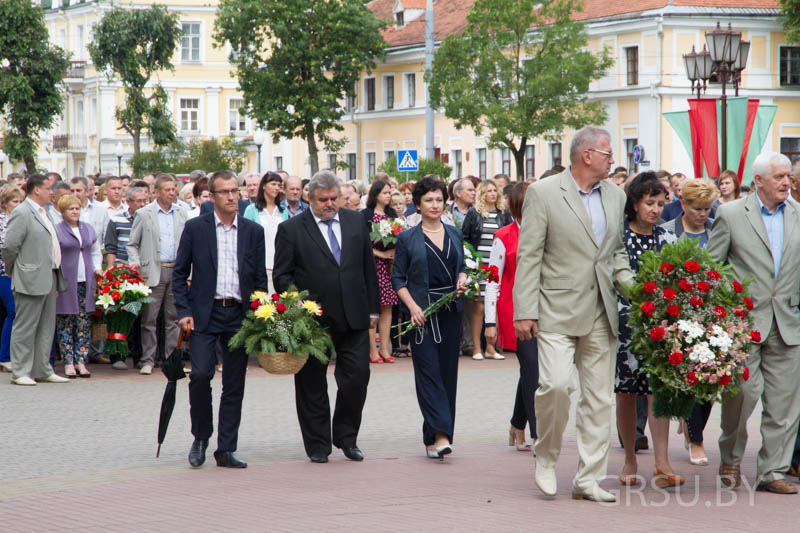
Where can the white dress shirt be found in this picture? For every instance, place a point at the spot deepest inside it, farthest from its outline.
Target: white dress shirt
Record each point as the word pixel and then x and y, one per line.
pixel 322 225
pixel 227 260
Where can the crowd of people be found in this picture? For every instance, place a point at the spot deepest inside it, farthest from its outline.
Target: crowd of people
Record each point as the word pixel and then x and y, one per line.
pixel 566 247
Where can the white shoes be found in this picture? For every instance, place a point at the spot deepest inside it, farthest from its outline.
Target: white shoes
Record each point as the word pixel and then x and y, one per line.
pixel 477 357
pixel 480 357
pixel 119 365
pixel 546 480
pixel 595 494
pixel 23 380
pixel 54 378
pixel 146 370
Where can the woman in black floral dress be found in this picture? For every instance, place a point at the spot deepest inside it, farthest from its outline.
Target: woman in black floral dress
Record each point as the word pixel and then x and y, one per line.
pixel 646 199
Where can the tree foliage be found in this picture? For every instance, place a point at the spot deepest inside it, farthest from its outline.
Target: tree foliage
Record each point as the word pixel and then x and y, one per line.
pixel 297 59
pixel 31 72
pixel 426 166
pixel 519 71
pixel 790 17
pixel 182 158
pixel 132 45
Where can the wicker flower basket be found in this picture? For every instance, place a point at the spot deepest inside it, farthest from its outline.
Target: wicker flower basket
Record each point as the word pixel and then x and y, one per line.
pixel 281 362
pixel 99 331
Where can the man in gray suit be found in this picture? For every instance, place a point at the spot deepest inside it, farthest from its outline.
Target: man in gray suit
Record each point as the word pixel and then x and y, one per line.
pixel 759 236
pixel 153 246
pixel 33 261
pixel 570 258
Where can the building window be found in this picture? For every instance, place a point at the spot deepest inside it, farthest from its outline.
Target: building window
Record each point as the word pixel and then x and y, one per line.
pixel 790 147
pixel 630 144
pixel 388 85
pixel 278 162
pixel 369 89
pixel 790 65
pixel 555 154
pixel 189 113
pixel 437 153
pixel 388 154
pixel 411 89
pixel 632 60
pixel 457 164
pixel 236 119
pixel 352 100
pixel 400 19
pixel 530 161
pixel 482 163
pixel 332 162
pixel 351 164
pixel 371 165
pixel 505 161
pixel 190 41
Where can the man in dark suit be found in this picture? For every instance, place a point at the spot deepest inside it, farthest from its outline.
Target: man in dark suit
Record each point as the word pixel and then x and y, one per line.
pixel 327 251
pixel 225 255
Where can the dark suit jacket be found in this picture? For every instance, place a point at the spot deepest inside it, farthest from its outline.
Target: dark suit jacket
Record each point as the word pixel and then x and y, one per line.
pixel 348 293
pixel 197 255
pixel 208 207
pixel 410 267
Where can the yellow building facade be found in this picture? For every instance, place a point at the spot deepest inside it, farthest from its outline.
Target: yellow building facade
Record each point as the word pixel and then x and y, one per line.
pixel 388 113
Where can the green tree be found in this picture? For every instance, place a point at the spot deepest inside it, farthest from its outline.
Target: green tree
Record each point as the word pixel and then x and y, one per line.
pixel 791 19
pixel 209 155
pixel 132 45
pixel 297 59
pixel 31 72
pixel 519 71
pixel 426 166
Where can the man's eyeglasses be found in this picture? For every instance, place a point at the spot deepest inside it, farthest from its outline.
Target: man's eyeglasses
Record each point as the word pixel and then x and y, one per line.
pixel 607 154
pixel 227 192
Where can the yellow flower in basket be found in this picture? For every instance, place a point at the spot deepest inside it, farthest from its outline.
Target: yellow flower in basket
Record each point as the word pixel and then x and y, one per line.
pixel 261 296
pixel 266 311
pixel 312 307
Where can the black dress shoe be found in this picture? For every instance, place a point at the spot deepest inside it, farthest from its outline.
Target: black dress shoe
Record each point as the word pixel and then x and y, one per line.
pixel 197 455
pixel 353 453
pixel 641 444
pixel 228 460
pixel 318 458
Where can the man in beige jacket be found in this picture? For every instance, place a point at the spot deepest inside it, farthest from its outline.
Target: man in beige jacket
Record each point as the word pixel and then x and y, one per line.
pixel 759 236
pixel 569 260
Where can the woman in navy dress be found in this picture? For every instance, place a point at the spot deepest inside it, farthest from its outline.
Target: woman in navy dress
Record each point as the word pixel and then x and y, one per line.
pixel 429 263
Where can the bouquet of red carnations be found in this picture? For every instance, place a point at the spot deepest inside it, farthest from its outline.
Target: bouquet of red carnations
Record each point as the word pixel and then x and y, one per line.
pixel 693 325
pixel 121 292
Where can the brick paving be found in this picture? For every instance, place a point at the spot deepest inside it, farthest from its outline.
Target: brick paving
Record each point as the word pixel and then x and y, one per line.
pixel 81 457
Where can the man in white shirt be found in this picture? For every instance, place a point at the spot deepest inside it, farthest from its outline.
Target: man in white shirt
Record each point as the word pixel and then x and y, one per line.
pixel 114 203
pixel 92 212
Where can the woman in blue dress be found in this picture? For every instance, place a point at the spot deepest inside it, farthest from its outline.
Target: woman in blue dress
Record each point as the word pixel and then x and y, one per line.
pixel 429 263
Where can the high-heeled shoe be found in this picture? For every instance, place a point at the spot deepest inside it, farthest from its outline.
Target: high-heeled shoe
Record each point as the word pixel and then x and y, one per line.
pixel 512 441
pixel 69 371
pixel 85 374
pixel 664 481
pixel 387 358
pixel 447 449
pixel 432 454
pixel 376 361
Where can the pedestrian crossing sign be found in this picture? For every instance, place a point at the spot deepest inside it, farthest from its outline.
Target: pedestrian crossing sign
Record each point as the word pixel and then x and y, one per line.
pixel 407 161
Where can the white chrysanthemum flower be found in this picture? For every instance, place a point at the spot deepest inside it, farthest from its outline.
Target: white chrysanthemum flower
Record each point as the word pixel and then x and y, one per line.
pixel 470 264
pixel 701 353
pixel 721 341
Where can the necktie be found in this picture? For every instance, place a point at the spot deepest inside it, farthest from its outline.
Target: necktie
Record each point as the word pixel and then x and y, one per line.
pixel 337 251
pixel 56 255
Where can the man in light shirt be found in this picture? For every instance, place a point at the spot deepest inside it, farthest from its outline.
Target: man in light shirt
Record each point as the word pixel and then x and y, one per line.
pixel 114 203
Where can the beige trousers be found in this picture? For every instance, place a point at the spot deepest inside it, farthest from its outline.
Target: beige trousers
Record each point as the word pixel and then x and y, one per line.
pixel 774 374
pixel 593 357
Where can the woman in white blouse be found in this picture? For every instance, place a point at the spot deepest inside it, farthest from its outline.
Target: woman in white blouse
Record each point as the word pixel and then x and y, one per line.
pixel 499 319
pixel 267 212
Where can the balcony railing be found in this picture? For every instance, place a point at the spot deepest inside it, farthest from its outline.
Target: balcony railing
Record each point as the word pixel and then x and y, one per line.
pixel 69 143
pixel 76 69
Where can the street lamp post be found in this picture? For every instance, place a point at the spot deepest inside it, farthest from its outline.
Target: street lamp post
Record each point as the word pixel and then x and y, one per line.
pixel 118 151
pixel 258 139
pixel 725 58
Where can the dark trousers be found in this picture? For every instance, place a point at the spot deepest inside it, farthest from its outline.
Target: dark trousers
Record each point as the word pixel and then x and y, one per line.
pixel 311 395
pixel 697 422
pixel 222 325
pixel 436 375
pixel 796 453
pixel 528 356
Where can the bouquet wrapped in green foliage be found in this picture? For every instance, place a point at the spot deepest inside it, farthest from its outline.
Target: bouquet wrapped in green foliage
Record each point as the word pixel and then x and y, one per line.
pixel 692 323
pixel 283 323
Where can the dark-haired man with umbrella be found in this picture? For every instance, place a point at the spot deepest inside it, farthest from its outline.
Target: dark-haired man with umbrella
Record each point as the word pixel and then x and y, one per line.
pixel 212 249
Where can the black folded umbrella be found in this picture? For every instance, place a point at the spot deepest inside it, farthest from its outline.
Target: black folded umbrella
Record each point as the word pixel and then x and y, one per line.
pixel 172 368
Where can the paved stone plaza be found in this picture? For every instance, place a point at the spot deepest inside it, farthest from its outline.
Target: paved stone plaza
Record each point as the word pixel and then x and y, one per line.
pixel 81 457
